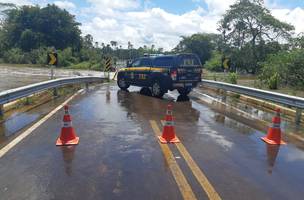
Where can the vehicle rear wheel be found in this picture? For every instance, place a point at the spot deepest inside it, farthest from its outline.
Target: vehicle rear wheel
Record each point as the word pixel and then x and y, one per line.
pixel 157 90
pixel 122 84
pixel 145 91
pixel 184 91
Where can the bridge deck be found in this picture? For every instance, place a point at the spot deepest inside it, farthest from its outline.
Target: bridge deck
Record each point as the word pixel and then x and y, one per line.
pixel 119 156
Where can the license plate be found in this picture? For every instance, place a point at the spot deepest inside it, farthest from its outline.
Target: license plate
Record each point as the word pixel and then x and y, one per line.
pixel 188 84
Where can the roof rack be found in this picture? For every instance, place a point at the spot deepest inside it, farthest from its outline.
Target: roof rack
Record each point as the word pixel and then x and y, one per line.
pixel 152 55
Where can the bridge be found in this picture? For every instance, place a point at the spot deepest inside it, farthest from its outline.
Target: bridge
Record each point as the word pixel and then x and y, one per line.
pixel 119 156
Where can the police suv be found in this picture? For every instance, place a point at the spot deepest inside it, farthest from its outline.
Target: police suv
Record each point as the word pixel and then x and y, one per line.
pixel 162 73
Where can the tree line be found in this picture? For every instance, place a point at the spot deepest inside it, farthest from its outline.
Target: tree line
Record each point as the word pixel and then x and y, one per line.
pixel 255 42
pixel 27 33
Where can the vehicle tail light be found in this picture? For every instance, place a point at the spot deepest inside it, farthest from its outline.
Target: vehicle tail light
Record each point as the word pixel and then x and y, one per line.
pixel 173 75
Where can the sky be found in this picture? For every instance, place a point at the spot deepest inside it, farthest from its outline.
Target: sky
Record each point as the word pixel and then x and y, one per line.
pixel 159 22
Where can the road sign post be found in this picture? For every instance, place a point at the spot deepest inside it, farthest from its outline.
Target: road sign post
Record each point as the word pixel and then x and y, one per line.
pixel 52 60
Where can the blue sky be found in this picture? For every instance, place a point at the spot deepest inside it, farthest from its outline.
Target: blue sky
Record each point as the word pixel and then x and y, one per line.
pixel 159 22
pixel 182 6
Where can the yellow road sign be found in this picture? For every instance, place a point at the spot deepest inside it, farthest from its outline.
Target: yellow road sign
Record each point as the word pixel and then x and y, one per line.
pixel 52 58
pixel 226 63
pixel 108 64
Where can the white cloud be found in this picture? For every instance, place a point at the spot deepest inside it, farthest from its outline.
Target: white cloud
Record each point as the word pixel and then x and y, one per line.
pixel 293 16
pixel 65 5
pixel 17 2
pixel 218 7
pixel 151 26
pixel 115 4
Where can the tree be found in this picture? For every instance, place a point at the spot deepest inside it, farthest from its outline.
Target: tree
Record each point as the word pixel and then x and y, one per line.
pixel 200 44
pixel 4 9
pixel 48 26
pixel 298 42
pixel 247 24
pixel 114 44
pixel 88 41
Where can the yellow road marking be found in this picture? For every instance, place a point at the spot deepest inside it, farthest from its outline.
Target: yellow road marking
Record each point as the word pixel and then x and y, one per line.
pixel 197 172
pixel 23 135
pixel 178 175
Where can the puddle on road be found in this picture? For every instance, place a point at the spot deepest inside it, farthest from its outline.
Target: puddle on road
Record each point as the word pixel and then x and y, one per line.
pixel 246 113
pixel 68 154
pixel 18 121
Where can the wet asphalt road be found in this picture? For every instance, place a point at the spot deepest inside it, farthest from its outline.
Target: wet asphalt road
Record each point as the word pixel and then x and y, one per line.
pixel 119 157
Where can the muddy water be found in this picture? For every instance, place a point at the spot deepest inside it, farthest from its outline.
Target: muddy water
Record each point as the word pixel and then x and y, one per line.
pixel 13 76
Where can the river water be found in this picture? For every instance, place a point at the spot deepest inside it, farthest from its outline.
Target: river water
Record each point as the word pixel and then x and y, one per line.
pixel 13 76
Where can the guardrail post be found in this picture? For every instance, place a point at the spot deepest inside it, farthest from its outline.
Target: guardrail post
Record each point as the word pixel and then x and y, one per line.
pixel 224 95
pixel 87 86
pixel 55 92
pixel 1 111
pixel 298 116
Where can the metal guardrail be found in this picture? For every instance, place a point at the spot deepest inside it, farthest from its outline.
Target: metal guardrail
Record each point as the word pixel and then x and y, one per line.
pixel 17 93
pixel 284 99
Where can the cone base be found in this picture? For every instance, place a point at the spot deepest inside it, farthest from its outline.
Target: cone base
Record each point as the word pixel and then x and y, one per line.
pixel 59 142
pixel 164 141
pixel 268 141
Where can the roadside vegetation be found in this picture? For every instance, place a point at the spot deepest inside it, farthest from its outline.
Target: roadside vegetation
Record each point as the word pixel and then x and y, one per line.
pixel 28 33
pixel 255 43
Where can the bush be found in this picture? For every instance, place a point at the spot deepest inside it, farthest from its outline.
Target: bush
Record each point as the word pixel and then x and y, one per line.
pixel 232 78
pixel 215 63
pixel 273 81
pixel 16 55
pixel 65 57
pixel 97 66
pixel 39 56
pixel 286 68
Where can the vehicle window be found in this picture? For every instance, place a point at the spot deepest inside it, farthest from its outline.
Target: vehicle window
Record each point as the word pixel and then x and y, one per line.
pixel 145 62
pixel 187 61
pixel 163 62
pixel 136 63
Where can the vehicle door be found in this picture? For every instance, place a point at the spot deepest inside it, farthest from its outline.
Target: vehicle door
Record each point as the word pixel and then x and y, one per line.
pixel 143 71
pixel 132 71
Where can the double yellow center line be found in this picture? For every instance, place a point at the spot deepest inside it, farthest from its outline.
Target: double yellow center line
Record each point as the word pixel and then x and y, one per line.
pixel 178 175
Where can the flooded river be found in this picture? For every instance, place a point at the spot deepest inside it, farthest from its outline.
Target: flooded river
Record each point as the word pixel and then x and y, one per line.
pixel 13 76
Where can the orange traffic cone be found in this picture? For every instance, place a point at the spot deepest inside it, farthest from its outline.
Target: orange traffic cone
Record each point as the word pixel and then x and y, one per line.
pixel 274 131
pixel 168 135
pixel 68 135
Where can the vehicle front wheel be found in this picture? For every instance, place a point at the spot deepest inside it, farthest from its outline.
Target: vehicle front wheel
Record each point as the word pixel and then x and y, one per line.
pixel 122 84
pixel 157 90
pixel 184 91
